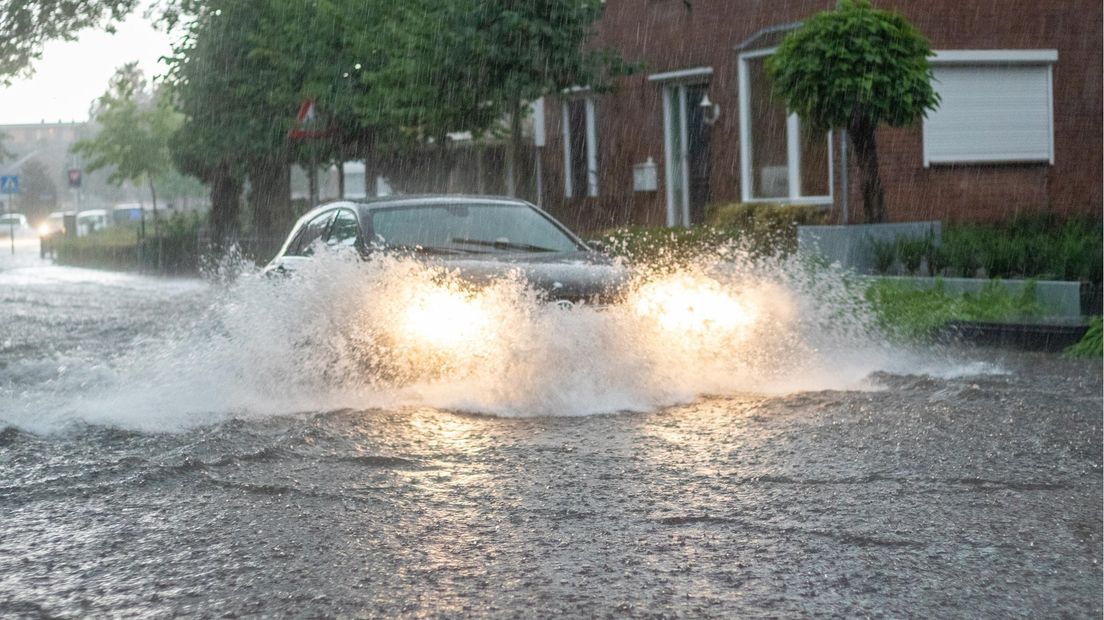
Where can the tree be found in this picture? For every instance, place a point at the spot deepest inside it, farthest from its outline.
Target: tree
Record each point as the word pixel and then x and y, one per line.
pixel 26 25
pixel 385 76
pixel 220 88
pixel 856 67
pixel 389 76
pixel 133 138
pixel 38 193
pixel 507 53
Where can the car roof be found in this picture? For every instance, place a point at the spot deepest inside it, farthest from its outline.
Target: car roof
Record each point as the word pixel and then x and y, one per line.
pixel 365 205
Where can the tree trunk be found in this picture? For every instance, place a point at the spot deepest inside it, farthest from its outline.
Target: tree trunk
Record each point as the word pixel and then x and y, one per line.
pixel 270 201
pixel 226 192
pixel 312 177
pixel 513 154
pixel 866 151
pixel 156 223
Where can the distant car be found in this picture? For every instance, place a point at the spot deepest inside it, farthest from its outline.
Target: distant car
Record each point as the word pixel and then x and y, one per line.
pixel 14 222
pixel 91 221
pixel 480 237
pixel 127 214
pixel 54 224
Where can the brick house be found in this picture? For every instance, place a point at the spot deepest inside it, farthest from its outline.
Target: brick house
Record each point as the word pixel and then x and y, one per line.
pixel 1019 129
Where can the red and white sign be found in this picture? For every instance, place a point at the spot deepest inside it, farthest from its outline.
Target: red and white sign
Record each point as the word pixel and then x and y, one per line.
pixel 305 121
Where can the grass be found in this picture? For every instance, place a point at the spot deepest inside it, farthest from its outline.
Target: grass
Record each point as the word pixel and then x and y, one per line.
pixel 1091 344
pixel 907 311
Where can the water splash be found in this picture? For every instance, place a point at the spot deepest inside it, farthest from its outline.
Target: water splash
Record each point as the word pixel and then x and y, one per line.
pixel 396 332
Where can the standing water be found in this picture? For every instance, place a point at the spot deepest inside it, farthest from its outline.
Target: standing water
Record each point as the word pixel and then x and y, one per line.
pixel 377 439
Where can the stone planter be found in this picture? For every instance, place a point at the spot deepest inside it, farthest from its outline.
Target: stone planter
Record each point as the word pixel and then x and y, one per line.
pixel 850 245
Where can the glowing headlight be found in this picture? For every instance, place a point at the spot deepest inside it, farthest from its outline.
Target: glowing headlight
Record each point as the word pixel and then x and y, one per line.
pixel 686 304
pixel 44 230
pixel 446 319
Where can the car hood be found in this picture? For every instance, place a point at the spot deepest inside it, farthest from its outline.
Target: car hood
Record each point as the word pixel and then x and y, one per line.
pixel 568 276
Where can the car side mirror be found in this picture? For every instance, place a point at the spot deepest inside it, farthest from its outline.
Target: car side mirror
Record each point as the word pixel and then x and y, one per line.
pixel 598 245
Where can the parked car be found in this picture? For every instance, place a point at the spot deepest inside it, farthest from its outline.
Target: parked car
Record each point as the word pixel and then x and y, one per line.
pixel 14 223
pixel 127 214
pixel 482 238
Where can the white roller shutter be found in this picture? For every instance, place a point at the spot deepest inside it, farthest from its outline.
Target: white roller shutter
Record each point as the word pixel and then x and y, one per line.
pixel 993 109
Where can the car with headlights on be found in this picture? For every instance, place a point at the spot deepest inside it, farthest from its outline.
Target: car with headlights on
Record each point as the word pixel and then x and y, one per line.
pixel 479 238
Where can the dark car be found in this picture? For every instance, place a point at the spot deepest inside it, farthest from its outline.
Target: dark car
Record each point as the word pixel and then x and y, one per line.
pixel 479 237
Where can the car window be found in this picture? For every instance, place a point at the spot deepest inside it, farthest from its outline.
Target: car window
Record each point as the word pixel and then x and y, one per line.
pixel 311 232
pixel 471 228
pixel 344 230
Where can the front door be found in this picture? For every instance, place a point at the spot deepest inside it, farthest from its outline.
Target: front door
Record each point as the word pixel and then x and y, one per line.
pixel 686 146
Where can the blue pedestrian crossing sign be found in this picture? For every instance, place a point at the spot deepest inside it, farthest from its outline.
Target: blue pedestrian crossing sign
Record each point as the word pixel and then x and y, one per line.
pixel 9 184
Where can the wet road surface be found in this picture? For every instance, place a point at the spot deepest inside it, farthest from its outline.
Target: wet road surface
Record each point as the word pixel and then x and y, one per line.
pixel 977 494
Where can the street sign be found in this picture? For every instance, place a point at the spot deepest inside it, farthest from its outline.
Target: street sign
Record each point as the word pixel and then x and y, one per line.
pixel 306 123
pixel 74 178
pixel 9 184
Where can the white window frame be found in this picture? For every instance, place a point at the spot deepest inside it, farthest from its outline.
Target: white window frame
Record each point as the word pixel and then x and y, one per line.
pixel 793 145
pixel 1008 57
pixel 677 214
pixel 591 145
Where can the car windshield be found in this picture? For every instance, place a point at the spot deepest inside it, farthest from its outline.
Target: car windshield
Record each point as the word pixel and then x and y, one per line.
pixel 470 229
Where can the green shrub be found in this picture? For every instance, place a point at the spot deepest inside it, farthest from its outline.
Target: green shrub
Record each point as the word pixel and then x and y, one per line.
pixel 1091 344
pixel 885 254
pixel 765 229
pixel 1026 247
pixel 765 220
pixel 910 252
pixel 1041 247
pixel 176 252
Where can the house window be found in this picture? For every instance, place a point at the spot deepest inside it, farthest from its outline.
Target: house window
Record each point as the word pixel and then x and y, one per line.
pixel 996 106
pixel 580 138
pixel 781 159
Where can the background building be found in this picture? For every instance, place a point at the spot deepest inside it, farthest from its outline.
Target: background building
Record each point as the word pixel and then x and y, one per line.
pixel 1019 128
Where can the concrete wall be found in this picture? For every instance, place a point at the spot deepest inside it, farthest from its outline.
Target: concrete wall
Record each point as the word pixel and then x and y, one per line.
pixel 850 246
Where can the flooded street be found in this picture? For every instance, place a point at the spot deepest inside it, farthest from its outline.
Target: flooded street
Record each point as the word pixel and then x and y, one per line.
pixel 939 483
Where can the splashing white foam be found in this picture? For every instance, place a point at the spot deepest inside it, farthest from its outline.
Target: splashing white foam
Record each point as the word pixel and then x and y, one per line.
pixel 394 332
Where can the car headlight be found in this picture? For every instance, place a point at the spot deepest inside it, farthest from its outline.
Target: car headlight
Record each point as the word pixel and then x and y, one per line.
pixel 687 304
pixel 448 320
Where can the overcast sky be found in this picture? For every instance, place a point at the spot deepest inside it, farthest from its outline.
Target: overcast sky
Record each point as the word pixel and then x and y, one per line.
pixel 71 75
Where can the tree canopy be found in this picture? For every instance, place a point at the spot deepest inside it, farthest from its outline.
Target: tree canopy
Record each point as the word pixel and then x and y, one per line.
pixel 26 25
pixel 134 130
pixel 385 76
pixel 856 67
